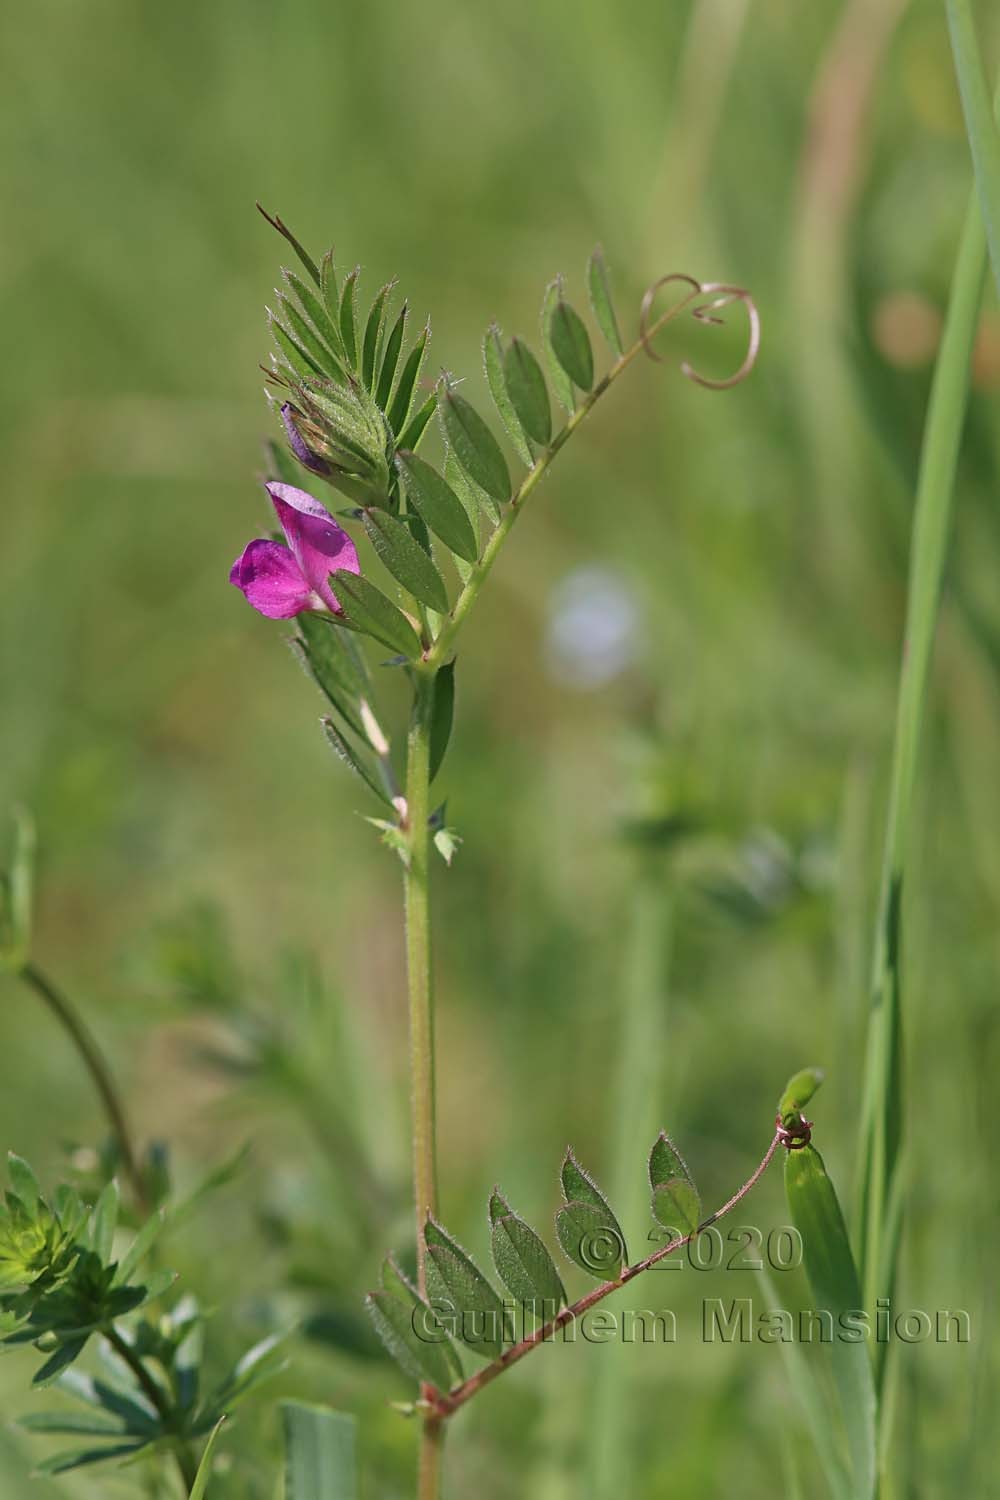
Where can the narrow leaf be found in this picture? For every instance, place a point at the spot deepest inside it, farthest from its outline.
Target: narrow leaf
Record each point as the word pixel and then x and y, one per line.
pixel 371 612
pixel 331 660
pixel 833 1277
pixel 320 1453
pixel 200 1486
pixel 90 1424
pixel 496 379
pixel 438 506
pixel 980 120
pixel 59 1361
pixel 373 334
pixel 453 1278
pixel 324 326
pixel 402 401
pixel 561 383
pixel 105 1222
pixel 474 445
pixel 81 1458
pixel 349 316
pixel 393 346
pixel 442 716
pixel 331 293
pixel 300 360
pixel 418 423
pixel 528 391
pixel 405 559
pixel 600 301
pixel 23 1181
pixel 571 344
pixel 355 760
pixel 324 358
pixel 427 1327
pixel 276 222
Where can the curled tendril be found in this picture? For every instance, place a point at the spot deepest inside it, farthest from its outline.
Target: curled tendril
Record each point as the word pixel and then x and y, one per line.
pixel 723 296
pixel 794 1135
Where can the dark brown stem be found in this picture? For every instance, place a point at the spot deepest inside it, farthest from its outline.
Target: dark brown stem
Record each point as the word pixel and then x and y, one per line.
pixel 445 1404
pixel 97 1066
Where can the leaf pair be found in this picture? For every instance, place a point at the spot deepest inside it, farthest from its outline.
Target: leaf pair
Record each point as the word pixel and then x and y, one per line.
pixel 586 1228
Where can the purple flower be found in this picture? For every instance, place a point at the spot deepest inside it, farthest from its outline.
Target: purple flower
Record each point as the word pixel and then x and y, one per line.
pixel 283 581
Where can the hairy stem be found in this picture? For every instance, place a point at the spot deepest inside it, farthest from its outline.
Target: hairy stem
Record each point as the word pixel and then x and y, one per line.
pixel 444 1404
pixel 183 1455
pixel 421 1007
pixel 442 647
pixel 96 1065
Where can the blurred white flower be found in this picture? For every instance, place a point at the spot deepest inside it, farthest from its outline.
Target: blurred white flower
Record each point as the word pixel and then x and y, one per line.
pixel 593 628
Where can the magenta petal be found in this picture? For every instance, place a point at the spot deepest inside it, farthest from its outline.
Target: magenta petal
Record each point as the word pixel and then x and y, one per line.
pixel 272 581
pixel 319 544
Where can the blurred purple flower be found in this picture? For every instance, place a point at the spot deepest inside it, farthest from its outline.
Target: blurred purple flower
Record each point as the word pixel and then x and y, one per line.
pixel 306 456
pixel 283 581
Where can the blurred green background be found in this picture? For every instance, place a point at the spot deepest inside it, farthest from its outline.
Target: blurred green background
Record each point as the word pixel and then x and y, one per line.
pixel 732 669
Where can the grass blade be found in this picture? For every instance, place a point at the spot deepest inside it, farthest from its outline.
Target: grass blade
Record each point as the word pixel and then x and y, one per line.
pixel 980 122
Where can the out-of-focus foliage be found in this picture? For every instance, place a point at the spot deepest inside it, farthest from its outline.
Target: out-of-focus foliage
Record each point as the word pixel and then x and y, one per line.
pixel 721 714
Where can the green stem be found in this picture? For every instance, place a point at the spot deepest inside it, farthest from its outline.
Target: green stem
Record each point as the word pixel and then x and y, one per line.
pixel 880 1176
pixel 154 1393
pixel 444 641
pixel 421 1007
pixel 96 1065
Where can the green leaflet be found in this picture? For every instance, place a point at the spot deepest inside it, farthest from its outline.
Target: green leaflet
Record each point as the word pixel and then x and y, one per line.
pixel 373 336
pixel 798 1091
pixel 417 425
pixel 442 716
pixel 833 1278
pixel 471 496
pixel 331 659
pixel 600 301
pixel 523 1263
pixel 369 611
pixel 590 1237
pixel 496 379
pixel 23 1181
pixel 677 1205
pixel 561 383
pixel 571 344
pixel 104 1222
pixel 666 1162
pixel 405 559
pixel 314 310
pixel 322 357
pixel 390 359
pixel 528 392
pixel 320 1459
pixel 349 316
pixel 474 445
pixel 81 1458
pixel 360 764
pixel 459 1290
pixel 292 351
pixel 331 294
pixel 402 402
pixel 434 500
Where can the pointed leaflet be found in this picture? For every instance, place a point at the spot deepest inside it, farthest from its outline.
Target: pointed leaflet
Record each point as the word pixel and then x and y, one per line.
pixel 665 1162
pixel 442 716
pixel 472 497
pixel 402 401
pixel 304 336
pixel 417 425
pixel 23 1181
pixel 437 505
pixel 349 316
pixel 677 1206
pixel 600 301
pixel 369 611
pixel 104 1222
pixel 523 1263
pixel 317 314
pixel 833 1277
pixel 297 358
pixel 571 344
pixel 561 383
pixel 528 392
pixel 405 559
pixel 80 1458
pixel 332 661
pixel 411 1332
pixel 495 377
pixel 588 1231
pixel 458 1287
pixel 358 762
pixel 798 1091
pixel 373 335
pixel 590 1239
pixel 474 445
pixel 320 1453
pixel 331 294
pixel 390 359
